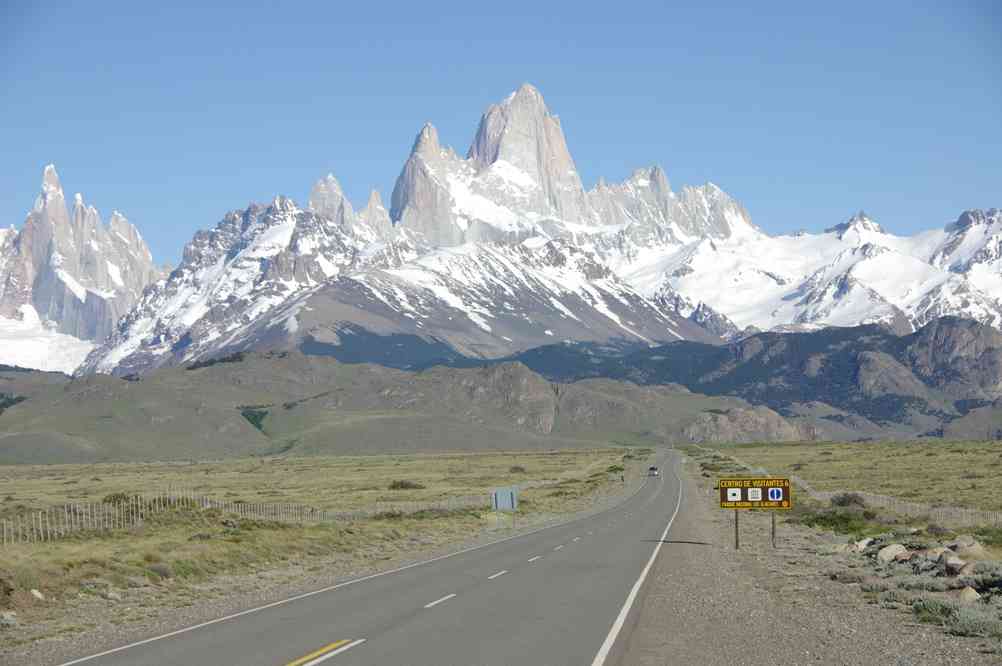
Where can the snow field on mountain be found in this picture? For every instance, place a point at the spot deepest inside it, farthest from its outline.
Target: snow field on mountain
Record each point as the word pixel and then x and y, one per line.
pixel 27 343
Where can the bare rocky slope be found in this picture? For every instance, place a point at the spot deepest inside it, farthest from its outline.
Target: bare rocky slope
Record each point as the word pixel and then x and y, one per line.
pixel 837 383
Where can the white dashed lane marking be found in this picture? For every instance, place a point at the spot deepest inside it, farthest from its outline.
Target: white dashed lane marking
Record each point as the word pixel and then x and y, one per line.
pixel 438 601
pixel 533 559
pixel 500 573
pixel 559 547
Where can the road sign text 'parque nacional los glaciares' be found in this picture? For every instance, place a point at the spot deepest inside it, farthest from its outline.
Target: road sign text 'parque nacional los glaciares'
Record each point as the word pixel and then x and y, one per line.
pixel 756 493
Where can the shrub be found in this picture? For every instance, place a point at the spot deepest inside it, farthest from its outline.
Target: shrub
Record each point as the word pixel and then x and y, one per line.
pixel 116 498
pixel 389 515
pixel 516 469
pixel 186 569
pixel 874 585
pixel 840 521
pixel 937 531
pixel 434 513
pixel 848 499
pixel 616 469
pixel 25 577
pixel 846 576
pixel 975 620
pixel 895 597
pixel 255 416
pixel 987 578
pixel 404 484
pixel 934 610
pixel 957 619
pixel 991 536
pixel 160 570
pixel 208 363
pixel 925 583
pixel 9 400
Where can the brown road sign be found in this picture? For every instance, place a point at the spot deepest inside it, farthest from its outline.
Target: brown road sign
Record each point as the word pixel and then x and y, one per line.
pixel 756 493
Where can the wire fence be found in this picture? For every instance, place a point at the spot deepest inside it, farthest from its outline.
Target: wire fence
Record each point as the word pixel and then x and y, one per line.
pixel 947 515
pixel 127 511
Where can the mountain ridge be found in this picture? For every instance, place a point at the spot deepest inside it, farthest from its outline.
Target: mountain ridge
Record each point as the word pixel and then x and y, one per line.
pixel 504 249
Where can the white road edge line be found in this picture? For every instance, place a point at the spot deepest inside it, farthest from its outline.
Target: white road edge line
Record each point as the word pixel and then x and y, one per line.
pixel 533 559
pixel 617 626
pixel 343 648
pixel 331 588
pixel 438 601
pixel 500 573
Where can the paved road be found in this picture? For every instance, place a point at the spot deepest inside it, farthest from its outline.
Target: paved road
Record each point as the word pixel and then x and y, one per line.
pixel 556 596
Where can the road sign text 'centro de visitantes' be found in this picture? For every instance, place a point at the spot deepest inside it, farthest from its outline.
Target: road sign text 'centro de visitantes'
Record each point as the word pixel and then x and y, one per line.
pixel 756 493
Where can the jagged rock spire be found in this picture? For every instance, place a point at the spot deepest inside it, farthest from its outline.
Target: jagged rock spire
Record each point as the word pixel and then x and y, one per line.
pixel 73 271
pixel 522 132
pixel 328 199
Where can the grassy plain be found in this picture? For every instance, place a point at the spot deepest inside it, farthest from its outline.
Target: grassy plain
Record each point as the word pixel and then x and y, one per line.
pixel 339 483
pixel 172 553
pixel 932 472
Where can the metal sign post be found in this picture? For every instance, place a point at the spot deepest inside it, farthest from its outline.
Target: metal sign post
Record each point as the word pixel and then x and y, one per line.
pixel 755 493
pixel 737 542
pixel 505 500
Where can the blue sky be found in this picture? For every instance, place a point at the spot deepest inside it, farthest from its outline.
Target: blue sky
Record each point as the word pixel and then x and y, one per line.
pixel 804 113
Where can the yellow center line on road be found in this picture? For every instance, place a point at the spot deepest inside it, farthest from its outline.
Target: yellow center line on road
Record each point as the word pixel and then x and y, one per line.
pixel 318 653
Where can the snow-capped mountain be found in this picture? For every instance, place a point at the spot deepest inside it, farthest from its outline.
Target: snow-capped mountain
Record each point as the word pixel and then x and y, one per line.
pixel 489 254
pixel 504 249
pixel 274 276
pixel 851 273
pixel 65 279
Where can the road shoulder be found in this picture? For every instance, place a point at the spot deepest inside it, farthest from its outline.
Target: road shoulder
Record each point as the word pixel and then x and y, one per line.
pixel 706 603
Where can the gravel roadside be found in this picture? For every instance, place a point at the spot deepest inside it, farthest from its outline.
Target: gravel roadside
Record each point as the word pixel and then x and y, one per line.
pixel 706 603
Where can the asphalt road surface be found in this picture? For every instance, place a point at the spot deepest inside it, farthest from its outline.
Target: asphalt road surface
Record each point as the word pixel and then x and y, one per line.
pixel 560 595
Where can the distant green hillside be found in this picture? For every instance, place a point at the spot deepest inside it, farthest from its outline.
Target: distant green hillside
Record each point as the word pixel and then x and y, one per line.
pixel 254 404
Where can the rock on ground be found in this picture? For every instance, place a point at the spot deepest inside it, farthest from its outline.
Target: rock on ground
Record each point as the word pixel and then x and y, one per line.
pixel 707 604
pixel 890 552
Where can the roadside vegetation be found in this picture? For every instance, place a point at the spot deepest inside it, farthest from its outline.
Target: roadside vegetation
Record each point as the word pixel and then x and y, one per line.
pixel 946 575
pixel 176 557
pixel 930 471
